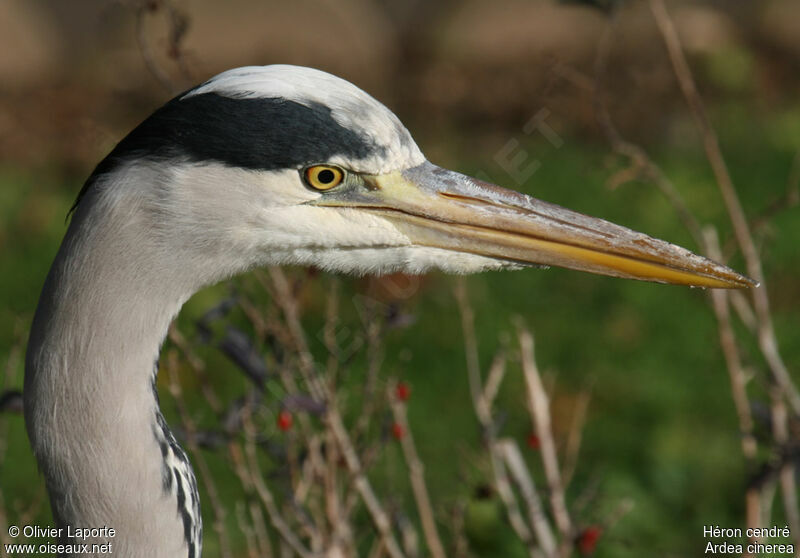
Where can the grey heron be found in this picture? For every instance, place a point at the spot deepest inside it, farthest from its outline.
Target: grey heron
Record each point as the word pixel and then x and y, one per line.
pixel 257 166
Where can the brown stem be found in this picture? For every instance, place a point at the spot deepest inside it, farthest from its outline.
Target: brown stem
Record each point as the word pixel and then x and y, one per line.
pixel 521 475
pixel 539 406
pixel 482 403
pixel 766 333
pixel 788 483
pixel 416 473
pixel 738 380
pixel 199 460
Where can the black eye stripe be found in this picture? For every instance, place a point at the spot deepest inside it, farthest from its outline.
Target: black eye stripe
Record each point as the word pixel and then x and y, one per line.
pixel 251 133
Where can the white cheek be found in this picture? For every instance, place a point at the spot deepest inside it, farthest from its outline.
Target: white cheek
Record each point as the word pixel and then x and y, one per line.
pixel 377 261
pixel 214 192
pixel 261 218
pixel 324 227
pixel 284 188
pixel 422 258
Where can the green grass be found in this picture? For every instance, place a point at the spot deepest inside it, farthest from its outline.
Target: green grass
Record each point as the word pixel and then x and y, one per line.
pixel 661 430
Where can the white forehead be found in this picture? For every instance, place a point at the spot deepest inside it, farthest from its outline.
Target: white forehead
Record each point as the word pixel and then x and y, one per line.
pixel 350 107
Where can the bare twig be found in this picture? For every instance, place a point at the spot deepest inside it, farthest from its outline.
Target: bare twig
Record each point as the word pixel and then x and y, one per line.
pixel 757 319
pixel 494 378
pixel 260 530
pixel 460 544
pixel 738 380
pixel 642 166
pixel 471 347
pixel 730 351
pixel 788 483
pixel 504 490
pixel 275 517
pixel 789 199
pixel 197 365
pixel 288 305
pixel 379 517
pixel 538 519
pixel 416 471
pixel 540 412
pixel 482 403
pixel 766 333
pixel 377 550
pixel 373 330
pixel 249 532
pixel 409 536
pixel 199 460
pixel 575 435
pixel 240 467
pixel 744 310
pixel 161 76
pixel 11 365
pixel 329 333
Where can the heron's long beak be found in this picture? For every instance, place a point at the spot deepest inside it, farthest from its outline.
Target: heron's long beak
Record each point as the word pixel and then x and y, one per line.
pixel 440 208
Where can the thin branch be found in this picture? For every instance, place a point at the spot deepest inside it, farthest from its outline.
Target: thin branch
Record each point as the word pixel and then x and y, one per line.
pixel 730 351
pixel 373 330
pixel 539 405
pixel 789 199
pixel 287 302
pixel 329 333
pixel 744 310
pixel 288 305
pixel 642 166
pixel 256 477
pixel 471 347
pixel 409 537
pixel 11 365
pixel 260 530
pixel 538 519
pixel 494 378
pixel 483 411
pixel 379 517
pixel 249 533
pixel 575 435
pixel 504 490
pixel 161 76
pixel 198 367
pixel 200 462
pixel 738 380
pixel 416 472
pixel 788 483
pixel 460 543
pixel 766 333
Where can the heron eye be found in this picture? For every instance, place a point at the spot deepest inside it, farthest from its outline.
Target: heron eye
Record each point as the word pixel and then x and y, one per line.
pixel 323 177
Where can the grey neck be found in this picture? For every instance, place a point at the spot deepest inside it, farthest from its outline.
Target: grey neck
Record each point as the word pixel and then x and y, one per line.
pixel 107 455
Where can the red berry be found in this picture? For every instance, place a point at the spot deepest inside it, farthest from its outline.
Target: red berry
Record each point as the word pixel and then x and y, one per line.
pixel 398 431
pixel 533 441
pixel 402 391
pixel 284 420
pixel 587 541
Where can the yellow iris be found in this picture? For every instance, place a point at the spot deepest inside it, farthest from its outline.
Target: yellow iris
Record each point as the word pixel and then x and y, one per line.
pixel 324 177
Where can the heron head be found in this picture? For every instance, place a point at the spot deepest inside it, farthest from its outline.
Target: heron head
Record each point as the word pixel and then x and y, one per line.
pixel 284 164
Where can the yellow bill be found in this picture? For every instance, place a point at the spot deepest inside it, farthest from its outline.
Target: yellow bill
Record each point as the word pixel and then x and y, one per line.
pixel 439 208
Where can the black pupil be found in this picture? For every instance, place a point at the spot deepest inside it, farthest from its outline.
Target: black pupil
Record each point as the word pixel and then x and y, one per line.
pixel 326 176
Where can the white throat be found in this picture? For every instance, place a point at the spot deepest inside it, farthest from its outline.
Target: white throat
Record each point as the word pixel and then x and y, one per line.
pixel 90 404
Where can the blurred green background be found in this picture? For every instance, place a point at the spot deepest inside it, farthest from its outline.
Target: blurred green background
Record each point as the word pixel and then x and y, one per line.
pixel 465 77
